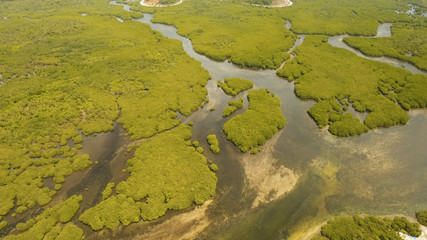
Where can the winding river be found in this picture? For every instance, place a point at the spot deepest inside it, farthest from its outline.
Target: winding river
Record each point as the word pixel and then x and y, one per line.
pixel 302 177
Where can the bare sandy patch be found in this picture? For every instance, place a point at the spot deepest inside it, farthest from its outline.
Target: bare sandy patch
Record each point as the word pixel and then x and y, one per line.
pixel 281 3
pixel 155 3
pixel 269 181
pixel 183 226
pixel 277 3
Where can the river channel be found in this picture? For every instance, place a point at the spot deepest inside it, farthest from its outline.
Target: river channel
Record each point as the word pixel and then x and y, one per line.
pixel 303 175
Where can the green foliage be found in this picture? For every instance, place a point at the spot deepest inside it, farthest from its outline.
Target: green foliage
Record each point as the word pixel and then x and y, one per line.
pixel 259 123
pixel 407 43
pixel 336 17
pixel 199 150
pixel 213 167
pixel 232 107
pixel 402 224
pixel 167 2
pixel 65 74
pixel 111 212
pixel 422 217
pixel 327 74
pixel 213 143
pixel 228 30
pixel 212 139
pixel 234 86
pixel 107 191
pixel 26 225
pixel 347 126
pixel 369 227
pixel 165 173
pixel 326 112
pixel 53 233
pixel 45 223
pixel 70 232
pixel 3 224
pixel 413 93
pixel 229 110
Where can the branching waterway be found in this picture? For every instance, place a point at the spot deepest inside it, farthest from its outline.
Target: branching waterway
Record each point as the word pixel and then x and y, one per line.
pixel 303 175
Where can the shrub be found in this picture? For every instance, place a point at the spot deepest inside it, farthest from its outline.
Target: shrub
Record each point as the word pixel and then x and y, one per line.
pixel 422 217
pixel 259 123
pixel 234 86
pixel 213 143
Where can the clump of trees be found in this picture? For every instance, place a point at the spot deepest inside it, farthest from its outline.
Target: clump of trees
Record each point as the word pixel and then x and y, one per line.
pixel 67 76
pixel 49 223
pixel 407 43
pixel 234 86
pixel 338 77
pixel 213 143
pixel 166 172
pixel 240 37
pixel 259 123
pixel 337 17
pixel 369 227
pixel 232 107
pixel 422 217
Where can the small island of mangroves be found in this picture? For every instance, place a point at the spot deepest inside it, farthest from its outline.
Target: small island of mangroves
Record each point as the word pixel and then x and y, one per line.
pixel 105 123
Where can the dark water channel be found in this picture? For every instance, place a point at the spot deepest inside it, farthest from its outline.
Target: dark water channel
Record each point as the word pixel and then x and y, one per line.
pixel 383 172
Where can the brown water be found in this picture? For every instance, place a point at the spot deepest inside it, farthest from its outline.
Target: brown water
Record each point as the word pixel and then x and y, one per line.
pixel 382 172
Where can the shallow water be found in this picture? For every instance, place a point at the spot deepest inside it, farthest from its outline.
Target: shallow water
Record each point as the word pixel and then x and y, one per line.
pixel 382 172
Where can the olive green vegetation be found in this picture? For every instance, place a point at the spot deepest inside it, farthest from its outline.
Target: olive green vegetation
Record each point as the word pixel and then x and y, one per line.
pixel 335 77
pixel 233 86
pixel 213 145
pixel 232 107
pixel 257 124
pixel 107 191
pixel 70 232
pixel 166 2
pixel 48 224
pixel 336 17
pixel 65 75
pixel 369 227
pixel 3 224
pixel 262 2
pixel 407 43
pixel 422 217
pixel 235 30
pixel 230 30
pixel 166 173
pixel 213 167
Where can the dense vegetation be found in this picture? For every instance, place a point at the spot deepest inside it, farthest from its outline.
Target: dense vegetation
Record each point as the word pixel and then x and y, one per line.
pixel 65 75
pixel 48 225
pixel 336 17
pixel 257 124
pixel 232 107
pixel 234 86
pixel 167 172
pixel 407 43
pixel 335 77
pixel 254 36
pixel 213 143
pixel 262 2
pixel 167 2
pixel 369 227
pixel 230 30
pixel 422 217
